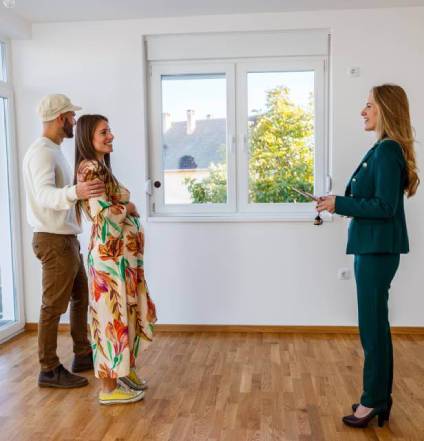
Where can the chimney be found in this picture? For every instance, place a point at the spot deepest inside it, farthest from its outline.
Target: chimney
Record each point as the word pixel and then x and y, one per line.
pixel 166 122
pixel 191 122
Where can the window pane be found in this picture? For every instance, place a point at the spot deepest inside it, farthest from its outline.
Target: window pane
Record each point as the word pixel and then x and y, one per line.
pixel 194 134
pixel 281 136
pixel 2 62
pixel 7 297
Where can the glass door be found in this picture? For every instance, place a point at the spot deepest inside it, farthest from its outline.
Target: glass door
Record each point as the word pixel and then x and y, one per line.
pixel 11 304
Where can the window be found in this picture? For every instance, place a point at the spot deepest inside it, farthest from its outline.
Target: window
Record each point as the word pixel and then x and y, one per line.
pixel 7 312
pixel 3 75
pixel 280 127
pixel 195 135
pixel 236 136
pixel 11 314
pixel 194 141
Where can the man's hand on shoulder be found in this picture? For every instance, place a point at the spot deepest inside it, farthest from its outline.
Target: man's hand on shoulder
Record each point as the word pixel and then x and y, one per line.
pixel 90 189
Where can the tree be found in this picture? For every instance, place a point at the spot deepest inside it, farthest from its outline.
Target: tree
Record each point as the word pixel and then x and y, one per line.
pixel 213 188
pixel 281 150
pixel 281 156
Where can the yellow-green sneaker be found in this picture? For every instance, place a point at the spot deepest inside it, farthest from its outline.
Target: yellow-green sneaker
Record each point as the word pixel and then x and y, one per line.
pixel 120 395
pixel 133 381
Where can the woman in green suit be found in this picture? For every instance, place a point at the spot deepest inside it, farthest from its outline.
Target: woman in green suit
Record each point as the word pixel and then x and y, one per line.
pixel 377 236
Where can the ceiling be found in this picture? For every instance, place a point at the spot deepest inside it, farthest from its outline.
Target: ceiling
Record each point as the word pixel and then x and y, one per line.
pixel 76 10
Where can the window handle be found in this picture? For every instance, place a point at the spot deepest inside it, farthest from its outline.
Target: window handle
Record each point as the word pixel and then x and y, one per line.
pixel 245 144
pixel 328 183
pixel 233 142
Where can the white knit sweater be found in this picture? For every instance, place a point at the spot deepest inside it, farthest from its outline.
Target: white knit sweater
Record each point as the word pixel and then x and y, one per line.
pixel 50 195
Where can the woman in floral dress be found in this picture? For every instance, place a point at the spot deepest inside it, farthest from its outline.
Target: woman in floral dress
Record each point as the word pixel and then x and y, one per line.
pixel 121 311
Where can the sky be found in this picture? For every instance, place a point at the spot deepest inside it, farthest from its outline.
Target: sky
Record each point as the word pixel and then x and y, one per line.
pixel 206 94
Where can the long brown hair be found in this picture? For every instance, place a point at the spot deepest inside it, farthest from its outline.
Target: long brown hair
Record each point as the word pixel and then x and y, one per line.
pixel 394 122
pixel 84 150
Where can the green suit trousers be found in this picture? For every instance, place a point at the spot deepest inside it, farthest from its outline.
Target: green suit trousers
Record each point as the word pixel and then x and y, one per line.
pixel 374 274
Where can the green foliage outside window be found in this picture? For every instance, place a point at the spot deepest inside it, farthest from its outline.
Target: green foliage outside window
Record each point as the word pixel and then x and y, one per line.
pixel 211 189
pixel 281 156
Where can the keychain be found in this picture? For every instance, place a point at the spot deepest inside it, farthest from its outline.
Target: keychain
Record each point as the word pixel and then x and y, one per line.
pixel 318 219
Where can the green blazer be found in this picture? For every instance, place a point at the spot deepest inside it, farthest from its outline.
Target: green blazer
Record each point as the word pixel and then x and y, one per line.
pixel 374 200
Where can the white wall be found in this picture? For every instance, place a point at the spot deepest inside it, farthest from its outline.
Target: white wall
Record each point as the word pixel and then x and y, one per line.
pixel 280 273
pixel 12 26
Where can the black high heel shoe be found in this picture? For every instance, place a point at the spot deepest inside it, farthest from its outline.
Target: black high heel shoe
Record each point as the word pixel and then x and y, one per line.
pixel 379 412
pixel 389 407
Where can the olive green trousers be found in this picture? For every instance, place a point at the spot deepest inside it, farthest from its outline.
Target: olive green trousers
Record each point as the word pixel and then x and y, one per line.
pixel 374 274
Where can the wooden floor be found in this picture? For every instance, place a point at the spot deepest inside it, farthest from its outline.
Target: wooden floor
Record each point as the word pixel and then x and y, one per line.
pixel 210 386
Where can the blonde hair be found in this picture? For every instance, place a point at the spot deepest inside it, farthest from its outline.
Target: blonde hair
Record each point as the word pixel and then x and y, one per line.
pixel 394 122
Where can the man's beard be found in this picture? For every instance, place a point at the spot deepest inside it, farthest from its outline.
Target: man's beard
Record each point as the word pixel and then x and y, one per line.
pixel 68 129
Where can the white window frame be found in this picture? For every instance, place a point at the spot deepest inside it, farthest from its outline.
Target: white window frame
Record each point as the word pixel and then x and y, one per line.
pixel 315 64
pixel 238 208
pixel 6 91
pixel 159 69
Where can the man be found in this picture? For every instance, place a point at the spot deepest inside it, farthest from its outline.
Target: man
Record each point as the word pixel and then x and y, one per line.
pixel 50 200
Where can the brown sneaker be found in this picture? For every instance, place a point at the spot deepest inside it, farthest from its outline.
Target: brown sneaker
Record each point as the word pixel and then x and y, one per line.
pixel 83 363
pixel 61 378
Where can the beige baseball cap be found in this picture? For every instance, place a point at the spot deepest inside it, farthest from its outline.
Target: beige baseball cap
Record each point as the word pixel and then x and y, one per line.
pixel 51 106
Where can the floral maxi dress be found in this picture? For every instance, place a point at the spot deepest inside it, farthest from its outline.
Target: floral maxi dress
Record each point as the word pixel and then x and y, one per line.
pixel 121 311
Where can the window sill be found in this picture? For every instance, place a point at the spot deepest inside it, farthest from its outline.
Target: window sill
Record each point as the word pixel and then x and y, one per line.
pixel 244 217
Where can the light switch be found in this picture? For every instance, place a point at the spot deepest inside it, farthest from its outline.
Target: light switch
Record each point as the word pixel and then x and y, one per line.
pixel 354 71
